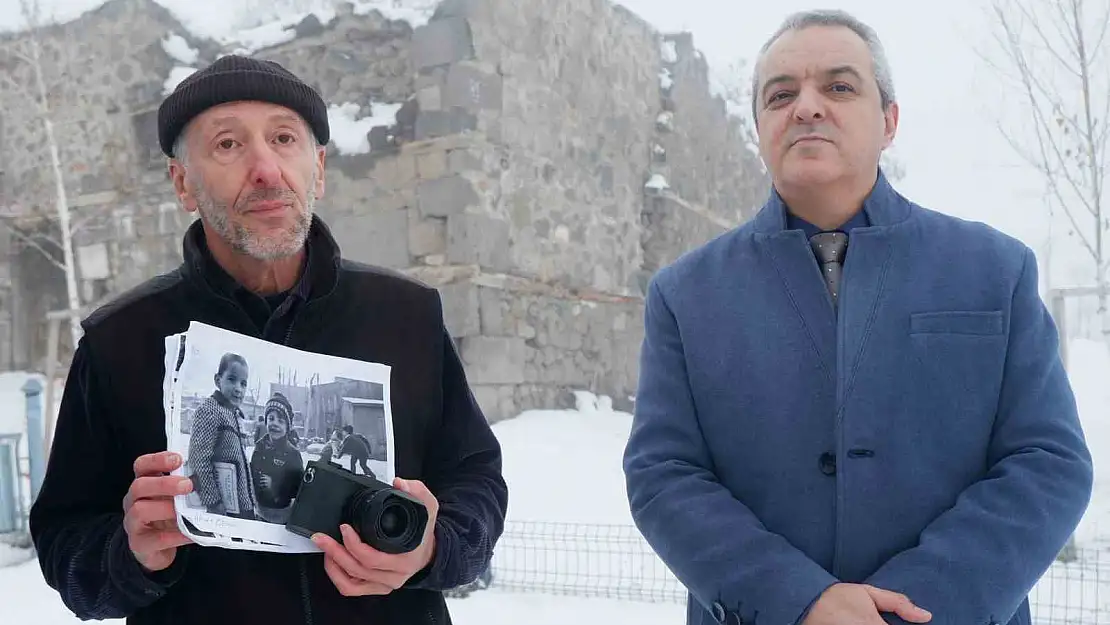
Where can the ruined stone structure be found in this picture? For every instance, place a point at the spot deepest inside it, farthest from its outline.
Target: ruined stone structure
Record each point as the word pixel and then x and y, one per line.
pixel 544 159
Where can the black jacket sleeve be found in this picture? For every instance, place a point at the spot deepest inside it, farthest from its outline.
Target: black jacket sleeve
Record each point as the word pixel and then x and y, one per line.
pixel 464 474
pixel 76 521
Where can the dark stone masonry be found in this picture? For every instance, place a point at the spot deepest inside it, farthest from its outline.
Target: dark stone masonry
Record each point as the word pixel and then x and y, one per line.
pixel 543 158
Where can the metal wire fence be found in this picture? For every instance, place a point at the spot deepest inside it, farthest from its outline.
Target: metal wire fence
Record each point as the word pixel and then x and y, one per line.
pixel 615 562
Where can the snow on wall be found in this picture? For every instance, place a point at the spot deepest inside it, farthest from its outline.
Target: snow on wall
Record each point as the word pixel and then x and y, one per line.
pixel 657 182
pixel 349 132
pixel 179 49
pixel 177 74
pixel 238 23
pixel 669 51
pixel 250 31
pixel 415 12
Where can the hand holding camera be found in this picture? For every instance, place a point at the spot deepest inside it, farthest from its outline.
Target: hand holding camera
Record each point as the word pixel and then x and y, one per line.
pixel 374 536
pixel 357 568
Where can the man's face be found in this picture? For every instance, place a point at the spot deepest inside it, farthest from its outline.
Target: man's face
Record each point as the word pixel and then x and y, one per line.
pixel 253 174
pixel 819 112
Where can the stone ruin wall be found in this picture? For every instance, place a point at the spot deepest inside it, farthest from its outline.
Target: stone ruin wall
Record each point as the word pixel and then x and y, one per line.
pixel 516 179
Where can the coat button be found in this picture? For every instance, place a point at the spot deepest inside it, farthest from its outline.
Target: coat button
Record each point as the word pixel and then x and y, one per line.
pixel 719 614
pixel 827 463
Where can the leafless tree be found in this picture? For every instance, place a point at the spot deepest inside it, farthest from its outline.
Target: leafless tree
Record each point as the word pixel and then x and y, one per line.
pixel 1054 55
pixel 45 74
pixel 36 93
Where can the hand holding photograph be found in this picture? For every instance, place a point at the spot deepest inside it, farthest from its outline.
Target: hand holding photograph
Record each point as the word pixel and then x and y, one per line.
pixel 280 444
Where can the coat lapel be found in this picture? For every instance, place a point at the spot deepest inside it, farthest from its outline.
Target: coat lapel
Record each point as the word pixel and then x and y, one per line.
pixel 791 256
pixel 866 267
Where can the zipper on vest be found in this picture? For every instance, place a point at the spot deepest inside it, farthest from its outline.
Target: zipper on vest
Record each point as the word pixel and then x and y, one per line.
pixel 306 601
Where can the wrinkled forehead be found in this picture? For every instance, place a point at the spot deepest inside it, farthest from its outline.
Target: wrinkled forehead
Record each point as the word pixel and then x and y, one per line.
pixel 815 53
pixel 246 115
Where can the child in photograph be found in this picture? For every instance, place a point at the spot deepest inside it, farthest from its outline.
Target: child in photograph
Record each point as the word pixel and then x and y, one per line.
pixel 220 474
pixel 358 448
pixel 276 464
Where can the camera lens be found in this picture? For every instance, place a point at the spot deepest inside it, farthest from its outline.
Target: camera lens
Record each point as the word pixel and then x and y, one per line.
pixel 387 520
pixel 393 520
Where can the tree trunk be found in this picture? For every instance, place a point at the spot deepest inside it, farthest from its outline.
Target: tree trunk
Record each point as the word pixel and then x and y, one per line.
pixel 62 203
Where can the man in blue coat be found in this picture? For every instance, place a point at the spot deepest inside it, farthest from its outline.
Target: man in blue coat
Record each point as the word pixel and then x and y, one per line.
pixel 851 409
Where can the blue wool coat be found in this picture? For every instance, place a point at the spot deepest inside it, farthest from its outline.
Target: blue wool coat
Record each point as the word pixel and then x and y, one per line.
pixel 924 440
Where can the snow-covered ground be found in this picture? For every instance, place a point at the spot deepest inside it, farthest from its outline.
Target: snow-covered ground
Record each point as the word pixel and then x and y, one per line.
pixel 539 473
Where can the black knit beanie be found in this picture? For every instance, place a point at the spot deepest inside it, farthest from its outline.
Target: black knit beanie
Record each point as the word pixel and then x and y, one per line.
pixel 279 404
pixel 235 78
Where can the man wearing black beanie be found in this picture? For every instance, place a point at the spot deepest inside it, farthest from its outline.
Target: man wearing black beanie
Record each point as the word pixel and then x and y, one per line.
pixel 246 145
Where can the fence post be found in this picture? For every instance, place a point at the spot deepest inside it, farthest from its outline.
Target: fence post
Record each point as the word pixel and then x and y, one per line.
pixel 11 511
pixel 32 391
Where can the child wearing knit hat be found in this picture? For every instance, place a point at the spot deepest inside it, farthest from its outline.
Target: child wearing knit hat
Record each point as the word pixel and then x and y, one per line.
pixel 276 464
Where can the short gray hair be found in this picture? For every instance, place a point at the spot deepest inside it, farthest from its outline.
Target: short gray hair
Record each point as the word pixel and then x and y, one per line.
pixel 833 17
pixel 180 152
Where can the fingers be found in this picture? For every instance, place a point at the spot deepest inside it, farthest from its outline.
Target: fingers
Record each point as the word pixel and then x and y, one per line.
pixel 370 558
pixel 156 464
pixel 151 527
pixel 151 479
pixel 343 558
pixel 157 488
pixel 888 601
pixel 349 586
pixel 363 563
pixel 145 514
pixel 418 489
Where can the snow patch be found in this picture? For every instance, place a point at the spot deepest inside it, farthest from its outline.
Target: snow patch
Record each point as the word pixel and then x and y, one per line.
pixel 665 80
pixel 416 12
pixel 247 31
pixel 179 49
pixel 11 555
pixel 254 39
pixel 1088 370
pixel 350 132
pixel 238 25
pixel 540 438
pixel 669 52
pixel 586 402
pixel 665 120
pixel 177 75
pixel 657 183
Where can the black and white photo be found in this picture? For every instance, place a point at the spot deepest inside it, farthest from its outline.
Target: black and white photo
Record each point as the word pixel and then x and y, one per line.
pixel 248 415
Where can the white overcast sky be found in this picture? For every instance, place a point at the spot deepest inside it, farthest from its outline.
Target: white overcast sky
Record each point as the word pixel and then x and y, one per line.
pixel 956 160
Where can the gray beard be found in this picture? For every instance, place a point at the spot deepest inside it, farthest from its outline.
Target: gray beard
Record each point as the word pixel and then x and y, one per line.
pixel 246 241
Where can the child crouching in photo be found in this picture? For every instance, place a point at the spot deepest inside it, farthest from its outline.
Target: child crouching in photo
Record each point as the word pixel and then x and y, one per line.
pixel 220 474
pixel 276 464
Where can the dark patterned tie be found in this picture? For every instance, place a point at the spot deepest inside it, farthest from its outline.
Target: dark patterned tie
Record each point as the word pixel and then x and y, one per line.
pixel 829 248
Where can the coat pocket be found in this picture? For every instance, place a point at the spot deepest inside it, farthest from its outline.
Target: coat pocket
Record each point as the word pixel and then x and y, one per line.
pixel 968 322
pixel 957 363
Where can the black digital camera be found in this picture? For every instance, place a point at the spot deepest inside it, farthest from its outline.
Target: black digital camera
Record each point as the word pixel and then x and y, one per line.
pixel 385 518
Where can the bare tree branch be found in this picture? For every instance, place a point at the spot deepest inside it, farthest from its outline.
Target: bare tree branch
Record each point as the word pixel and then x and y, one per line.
pixel 1051 158
pixel 1045 40
pixel 31 242
pixel 1046 138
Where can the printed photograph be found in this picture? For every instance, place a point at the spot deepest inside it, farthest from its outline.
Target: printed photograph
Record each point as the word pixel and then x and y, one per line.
pixel 248 415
